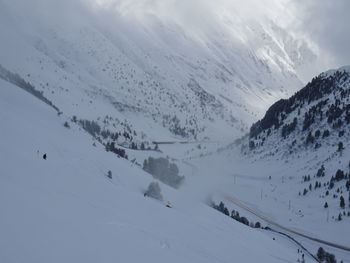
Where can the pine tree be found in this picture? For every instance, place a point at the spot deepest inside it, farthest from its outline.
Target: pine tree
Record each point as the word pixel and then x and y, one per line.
pixel 321 254
pixel 325 205
pixel 340 147
pixel 320 172
pixel 331 258
pixel 109 174
pixel 342 202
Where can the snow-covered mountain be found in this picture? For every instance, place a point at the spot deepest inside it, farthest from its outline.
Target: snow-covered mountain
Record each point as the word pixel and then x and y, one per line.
pixel 294 164
pixel 160 77
pixel 314 119
pixel 90 89
pixel 83 204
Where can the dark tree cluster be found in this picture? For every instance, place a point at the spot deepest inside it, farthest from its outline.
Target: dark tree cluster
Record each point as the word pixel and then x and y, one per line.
pixel 110 147
pixel 309 119
pixel 334 112
pixel 235 215
pixel 321 172
pixel 317 185
pixel 163 170
pixel 270 120
pixel 18 81
pixel 324 256
pixel 91 127
pixel 314 90
pixel 339 175
pixel 318 88
pixel 289 128
pixel 310 139
pixel 107 134
pixel 326 133
pixel 222 208
pixel 174 124
pixel 307 178
pixel 305 191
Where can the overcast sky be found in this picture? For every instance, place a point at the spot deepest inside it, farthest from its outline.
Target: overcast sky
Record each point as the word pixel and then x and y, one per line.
pixel 326 23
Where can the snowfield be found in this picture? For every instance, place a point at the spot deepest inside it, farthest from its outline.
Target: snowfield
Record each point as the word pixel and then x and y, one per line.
pixel 100 91
pixel 66 209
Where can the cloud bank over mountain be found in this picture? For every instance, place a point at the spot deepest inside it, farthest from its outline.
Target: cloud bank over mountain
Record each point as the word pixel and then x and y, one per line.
pixel 322 24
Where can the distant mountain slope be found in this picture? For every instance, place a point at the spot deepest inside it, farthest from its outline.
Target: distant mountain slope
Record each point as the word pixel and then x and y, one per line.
pixel 316 116
pixel 302 148
pixel 156 75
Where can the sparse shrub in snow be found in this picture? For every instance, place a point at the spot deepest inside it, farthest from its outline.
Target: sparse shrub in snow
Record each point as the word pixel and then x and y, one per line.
pixel 339 217
pixel 109 174
pixel 154 191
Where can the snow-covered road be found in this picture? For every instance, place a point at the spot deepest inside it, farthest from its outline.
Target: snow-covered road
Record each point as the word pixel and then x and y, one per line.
pixel 268 220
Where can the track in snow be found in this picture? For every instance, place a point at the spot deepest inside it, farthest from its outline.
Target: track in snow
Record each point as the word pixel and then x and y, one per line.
pixel 268 220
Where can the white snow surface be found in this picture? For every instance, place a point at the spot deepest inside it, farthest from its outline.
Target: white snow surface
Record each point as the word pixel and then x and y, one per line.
pixel 143 72
pixel 64 209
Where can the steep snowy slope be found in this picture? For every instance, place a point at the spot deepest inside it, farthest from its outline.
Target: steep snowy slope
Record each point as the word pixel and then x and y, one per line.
pixel 294 165
pixel 65 208
pixel 162 77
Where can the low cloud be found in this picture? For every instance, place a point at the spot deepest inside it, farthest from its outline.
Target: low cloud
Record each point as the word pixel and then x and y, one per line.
pixel 323 24
pixel 327 23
